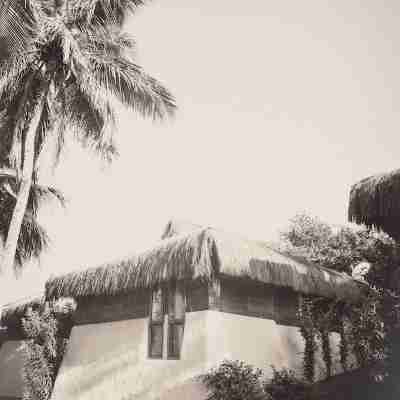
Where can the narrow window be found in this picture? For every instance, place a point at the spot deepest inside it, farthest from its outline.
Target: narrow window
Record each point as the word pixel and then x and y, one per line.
pixel 170 302
pixel 156 326
pixel 176 320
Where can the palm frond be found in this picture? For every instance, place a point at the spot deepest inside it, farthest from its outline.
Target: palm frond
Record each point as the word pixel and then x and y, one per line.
pixel 40 195
pixel 104 12
pixel 106 40
pixel 12 68
pixel 10 111
pixel 92 118
pixel 11 84
pixel 16 27
pixel 131 85
pixel 17 106
pixel 32 241
pixel 109 65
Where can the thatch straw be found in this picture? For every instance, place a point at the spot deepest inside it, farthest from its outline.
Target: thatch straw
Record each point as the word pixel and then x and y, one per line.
pixel 204 253
pixel 177 227
pixel 11 314
pixel 375 202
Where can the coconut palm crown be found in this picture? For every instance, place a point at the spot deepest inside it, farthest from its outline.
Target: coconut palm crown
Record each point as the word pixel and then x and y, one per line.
pixel 76 61
pixel 62 65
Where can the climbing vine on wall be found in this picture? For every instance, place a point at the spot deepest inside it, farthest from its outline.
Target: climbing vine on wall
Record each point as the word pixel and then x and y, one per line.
pixel 360 326
pixel 369 330
pixel 366 332
pixel 47 330
pixel 326 351
pixel 318 320
pixel 343 346
pixel 308 331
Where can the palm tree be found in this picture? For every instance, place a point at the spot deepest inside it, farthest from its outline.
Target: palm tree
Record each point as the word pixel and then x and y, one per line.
pixel 33 238
pixel 75 62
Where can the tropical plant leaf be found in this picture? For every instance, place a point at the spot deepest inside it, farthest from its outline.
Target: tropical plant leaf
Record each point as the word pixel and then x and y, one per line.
pixel 16 27
pixel 32 241
pixel 105 12
pixel 71 58
pixel 41 195
pixel 130 85
pixel 92 118
pixel 33 238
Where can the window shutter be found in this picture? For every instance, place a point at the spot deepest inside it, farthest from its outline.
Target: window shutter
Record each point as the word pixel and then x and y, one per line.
pixel 176 319
pixel 175 339
pixel 170 301
pixel 157 312
pixel 156 340
pixel 156 328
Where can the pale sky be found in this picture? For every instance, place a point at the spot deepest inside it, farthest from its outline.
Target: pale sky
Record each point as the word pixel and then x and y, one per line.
pixel 283 105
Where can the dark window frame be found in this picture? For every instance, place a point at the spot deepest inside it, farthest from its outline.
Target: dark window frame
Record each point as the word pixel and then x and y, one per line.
pixel 173 321
pixel 156 323
pixel 173 354
pixel 167 323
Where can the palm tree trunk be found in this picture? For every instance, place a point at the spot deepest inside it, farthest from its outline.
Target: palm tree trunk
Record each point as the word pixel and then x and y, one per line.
pixel 14 229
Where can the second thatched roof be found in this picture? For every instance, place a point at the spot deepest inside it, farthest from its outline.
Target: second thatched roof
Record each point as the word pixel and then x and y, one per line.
pixel 11 316
pixel 204 253
pixel 375 202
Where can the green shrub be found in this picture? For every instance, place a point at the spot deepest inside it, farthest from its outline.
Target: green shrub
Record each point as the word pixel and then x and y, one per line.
pixel 370 329
pixel 284 385
pixel 234 380
pixel 47 330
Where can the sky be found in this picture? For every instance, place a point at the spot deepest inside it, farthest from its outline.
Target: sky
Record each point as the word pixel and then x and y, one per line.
pixel 282 106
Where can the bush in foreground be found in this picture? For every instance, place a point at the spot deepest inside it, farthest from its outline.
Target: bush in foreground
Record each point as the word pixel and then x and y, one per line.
pixel 47 330
pixel 284 385
pixel 236 380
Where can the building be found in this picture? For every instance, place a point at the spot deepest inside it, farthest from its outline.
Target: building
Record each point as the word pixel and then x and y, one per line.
pixel 147 327
pixel 11 355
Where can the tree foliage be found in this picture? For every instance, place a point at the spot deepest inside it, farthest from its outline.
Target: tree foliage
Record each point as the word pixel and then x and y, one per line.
pixel 236 380
pixel 33 238
pixel 63 65
pixel 47 330
pixel 233 380
pixel 285 385
pixel 369 329
pixel 343 248
pixel 77 60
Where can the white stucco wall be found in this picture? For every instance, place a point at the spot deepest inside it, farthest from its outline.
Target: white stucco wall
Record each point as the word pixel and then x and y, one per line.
pixel 11 362
pixel 109 360
pixel 261 343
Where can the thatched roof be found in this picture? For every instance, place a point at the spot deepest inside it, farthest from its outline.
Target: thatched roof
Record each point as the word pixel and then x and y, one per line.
pixel 177 227
pixel 204 253
pixel 11 314
pixel 375 202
